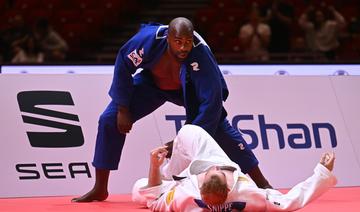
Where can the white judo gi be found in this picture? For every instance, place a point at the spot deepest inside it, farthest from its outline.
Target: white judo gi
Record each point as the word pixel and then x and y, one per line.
pixel 194 152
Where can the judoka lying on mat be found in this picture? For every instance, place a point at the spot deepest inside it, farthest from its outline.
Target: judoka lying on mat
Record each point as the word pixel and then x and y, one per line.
pixel 200 177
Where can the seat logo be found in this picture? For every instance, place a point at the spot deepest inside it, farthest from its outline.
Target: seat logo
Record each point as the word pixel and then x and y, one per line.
pixel 32 105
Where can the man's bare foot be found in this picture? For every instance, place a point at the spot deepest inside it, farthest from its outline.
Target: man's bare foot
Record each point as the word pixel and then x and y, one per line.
pixel 92 196
pixel 328 160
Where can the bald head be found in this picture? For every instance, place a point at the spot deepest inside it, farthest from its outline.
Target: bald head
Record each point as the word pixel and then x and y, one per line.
pixel 180 38
pixel 181 26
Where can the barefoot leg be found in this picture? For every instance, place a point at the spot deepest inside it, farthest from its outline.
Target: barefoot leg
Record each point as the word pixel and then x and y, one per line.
pixel 99 192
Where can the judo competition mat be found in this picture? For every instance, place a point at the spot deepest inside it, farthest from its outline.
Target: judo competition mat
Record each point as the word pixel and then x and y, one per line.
pixel 336 199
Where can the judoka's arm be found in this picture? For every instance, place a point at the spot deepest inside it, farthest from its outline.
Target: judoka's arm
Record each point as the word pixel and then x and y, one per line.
pixel 304 192
pixel 157 157
pixel 121 90
pixel 153 194
pixel 208 90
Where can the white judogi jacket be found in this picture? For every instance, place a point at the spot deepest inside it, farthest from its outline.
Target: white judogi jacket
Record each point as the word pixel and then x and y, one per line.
pixel 194 152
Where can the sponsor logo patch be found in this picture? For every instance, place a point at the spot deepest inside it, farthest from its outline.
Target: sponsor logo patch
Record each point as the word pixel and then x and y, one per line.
pixel 135 57
pixel 170 196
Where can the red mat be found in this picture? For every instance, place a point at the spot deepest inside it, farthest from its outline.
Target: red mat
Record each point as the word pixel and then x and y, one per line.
pixel 337 199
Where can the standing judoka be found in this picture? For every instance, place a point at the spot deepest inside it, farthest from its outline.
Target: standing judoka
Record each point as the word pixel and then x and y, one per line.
pixel 177 66
pixel 204 177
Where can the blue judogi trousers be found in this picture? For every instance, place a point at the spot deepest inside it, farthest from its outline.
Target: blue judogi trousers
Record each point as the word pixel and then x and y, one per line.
pixel 146 98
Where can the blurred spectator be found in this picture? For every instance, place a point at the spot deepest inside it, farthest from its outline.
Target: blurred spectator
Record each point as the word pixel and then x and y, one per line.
pixel 49 41
pixel 255 37
pixel 322 32
pixel 10 3
pixel 354 25
pixel 299 51
pixel 279 17
pixel 15 33
pixel 28 52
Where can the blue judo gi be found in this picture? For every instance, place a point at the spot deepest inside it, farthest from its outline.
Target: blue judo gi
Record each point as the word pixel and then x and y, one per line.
pixel 202 94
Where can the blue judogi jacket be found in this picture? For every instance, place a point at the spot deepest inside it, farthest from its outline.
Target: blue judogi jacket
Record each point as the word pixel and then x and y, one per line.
pixel 203 85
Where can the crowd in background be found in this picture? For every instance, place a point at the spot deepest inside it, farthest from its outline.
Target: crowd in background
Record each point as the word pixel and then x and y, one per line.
pixel 58 31
pixel 245 30
pixel 292 30
pixel 272 33
pixel 34 45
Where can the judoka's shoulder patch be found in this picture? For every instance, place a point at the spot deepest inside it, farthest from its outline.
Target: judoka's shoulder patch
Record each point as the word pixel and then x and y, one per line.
pixel 226 207
pixel 170 196
pixel 136 57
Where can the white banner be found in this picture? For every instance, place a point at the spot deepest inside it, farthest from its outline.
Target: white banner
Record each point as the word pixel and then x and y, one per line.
pixel 251 69
pixel 289 121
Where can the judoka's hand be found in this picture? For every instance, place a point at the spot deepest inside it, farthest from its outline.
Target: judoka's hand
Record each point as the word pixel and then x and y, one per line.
pixel 157 156
pixel 124 122
pixel 328 160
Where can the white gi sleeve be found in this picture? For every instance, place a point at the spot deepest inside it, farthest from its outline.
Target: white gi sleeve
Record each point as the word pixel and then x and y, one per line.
pixel 303 193
pixel 146 196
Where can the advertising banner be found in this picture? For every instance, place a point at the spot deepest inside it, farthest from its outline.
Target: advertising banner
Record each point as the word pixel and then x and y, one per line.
pixel 49 125
pixel 244 69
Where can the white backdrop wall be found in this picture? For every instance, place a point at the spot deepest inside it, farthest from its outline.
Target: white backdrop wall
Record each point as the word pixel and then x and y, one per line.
pixel 288 111
pixel 251 69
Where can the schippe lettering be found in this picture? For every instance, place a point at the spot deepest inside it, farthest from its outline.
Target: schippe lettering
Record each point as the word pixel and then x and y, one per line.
pixel 298 134
pixel 32 171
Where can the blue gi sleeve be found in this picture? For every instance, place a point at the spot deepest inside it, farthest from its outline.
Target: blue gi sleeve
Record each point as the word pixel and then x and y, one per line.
pixel 129 58
pixel 206 78
pixel 122 84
